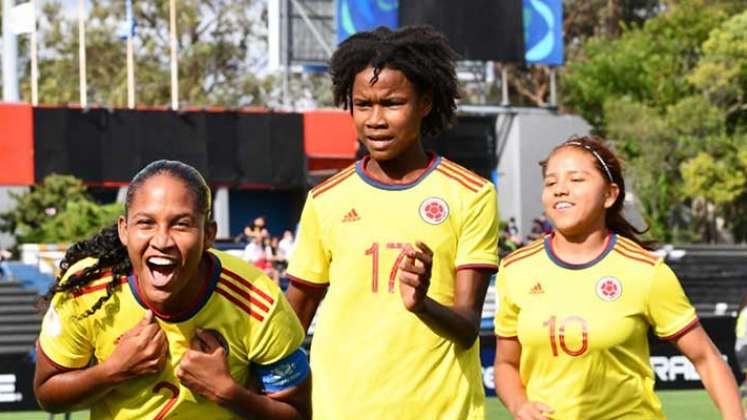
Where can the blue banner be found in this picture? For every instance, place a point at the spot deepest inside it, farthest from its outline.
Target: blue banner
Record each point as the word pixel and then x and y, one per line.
pixel 543 31
pixel 363 15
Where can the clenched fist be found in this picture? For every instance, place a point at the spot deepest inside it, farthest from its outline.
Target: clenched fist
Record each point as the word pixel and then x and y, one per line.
pixel 143 350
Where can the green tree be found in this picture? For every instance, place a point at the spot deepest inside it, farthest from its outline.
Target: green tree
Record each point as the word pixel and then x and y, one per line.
pixel 79 220
pixel 647 63
pixel 651 92
pixel 220 44
pixel 721 72
pixel 58 210
pixel 40 204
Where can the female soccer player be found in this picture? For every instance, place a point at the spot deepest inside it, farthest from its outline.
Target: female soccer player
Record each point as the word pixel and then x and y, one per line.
pixel 575 306
pixel 403 242
pixel 740 346
pixel 147 322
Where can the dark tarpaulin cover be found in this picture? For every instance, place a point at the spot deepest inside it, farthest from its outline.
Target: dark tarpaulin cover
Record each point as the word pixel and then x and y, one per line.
pixel 476 29
pixel 238 149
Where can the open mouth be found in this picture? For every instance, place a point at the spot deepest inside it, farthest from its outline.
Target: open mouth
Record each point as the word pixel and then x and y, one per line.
pixel 161 270
pixel 562 205
pixel 380 140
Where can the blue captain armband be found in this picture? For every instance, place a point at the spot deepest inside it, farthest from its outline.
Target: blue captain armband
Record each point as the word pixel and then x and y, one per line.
pixel 283 374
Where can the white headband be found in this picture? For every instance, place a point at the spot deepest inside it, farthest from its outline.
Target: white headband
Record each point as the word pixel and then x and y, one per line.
pixel 596 155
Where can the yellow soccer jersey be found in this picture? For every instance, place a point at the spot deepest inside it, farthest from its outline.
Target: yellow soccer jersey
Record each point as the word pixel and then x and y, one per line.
pixel 238 302
pixel 371 358
pixel 583 328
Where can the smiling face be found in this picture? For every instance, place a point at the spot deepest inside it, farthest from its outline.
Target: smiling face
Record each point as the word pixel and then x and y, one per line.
pixel 576 195
pixel 166 236
pixel 388 114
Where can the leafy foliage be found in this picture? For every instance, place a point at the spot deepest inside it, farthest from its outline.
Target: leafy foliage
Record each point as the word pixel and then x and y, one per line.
pixel 221 53
pixel 670 95
pixel 59 210
pixel 79 220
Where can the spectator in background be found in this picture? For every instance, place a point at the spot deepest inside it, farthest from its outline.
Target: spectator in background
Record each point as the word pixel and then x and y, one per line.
pixel 512 228
pixel 270 256
pixel 510 240
pixel 537 230
pixel 259 253
pixel 286 245
pixel 254 251
pixel 5 255
pixel 740 346
pixel 258 228
pixel 546 225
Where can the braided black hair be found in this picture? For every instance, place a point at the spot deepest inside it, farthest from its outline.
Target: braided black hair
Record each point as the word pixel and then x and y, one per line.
pixel 106 247
pixel 110 254
pixel 420 52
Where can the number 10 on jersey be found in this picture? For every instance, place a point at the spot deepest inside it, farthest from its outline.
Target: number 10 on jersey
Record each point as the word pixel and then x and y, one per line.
pixel 374 251
pixel 558 335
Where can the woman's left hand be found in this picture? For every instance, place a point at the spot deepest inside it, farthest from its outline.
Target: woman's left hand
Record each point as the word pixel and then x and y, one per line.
pixel 204 369
pixel 415 276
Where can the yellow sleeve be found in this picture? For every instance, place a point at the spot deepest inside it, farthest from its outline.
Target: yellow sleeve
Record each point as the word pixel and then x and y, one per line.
pixel 310 260
pixel 64 339
pixel 741 329
pixel 279 335
pixel 507 312
pixel 478 242
pixel 668 309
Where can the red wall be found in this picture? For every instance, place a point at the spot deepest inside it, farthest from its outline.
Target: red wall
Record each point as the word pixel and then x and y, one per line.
pixel 329 141
pixel 16 145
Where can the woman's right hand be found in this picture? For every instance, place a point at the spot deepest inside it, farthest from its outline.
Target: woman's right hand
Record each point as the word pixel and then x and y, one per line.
pixel 143 350
pixel 532 410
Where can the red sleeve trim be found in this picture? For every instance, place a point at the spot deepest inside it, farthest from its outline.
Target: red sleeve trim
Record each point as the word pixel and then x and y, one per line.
pixel 239 303
pixel 491 267
pixel 459 180
pixel 684 330
pixel 305 283
pixel 454 171
pixel 100 286
pixel 333 178
pixel 504 337
pixel 508 262
pixel 316 192
pixel 249 286
pixel 40 353
pixel 641 259
pixel 465 172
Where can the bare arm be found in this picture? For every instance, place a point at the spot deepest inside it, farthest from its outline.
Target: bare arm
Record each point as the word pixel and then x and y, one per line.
pixel 60 390
pixel 293 403
pixel 304 300
pixel 204 370
pixel 459 322
pixel 715 373
pixel 508 385
pixel 141 351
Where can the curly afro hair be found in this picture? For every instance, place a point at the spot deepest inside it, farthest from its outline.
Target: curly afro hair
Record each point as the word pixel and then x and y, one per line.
pixel 420 52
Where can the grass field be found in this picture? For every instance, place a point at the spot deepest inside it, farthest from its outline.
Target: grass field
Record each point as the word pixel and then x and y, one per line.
pixel 678 405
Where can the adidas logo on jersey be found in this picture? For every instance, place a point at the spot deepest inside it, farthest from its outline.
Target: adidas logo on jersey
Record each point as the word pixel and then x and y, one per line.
pixel 351 216
pixel 536 289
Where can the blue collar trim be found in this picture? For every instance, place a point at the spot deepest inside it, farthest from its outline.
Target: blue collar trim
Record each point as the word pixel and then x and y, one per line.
pixel 611 241
pixel 360 168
